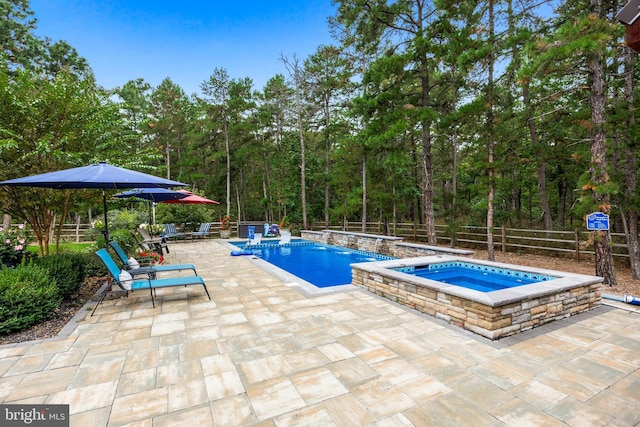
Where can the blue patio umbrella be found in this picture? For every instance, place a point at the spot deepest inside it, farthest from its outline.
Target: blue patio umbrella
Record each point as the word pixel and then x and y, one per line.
pixel 155 195
pixel 100 175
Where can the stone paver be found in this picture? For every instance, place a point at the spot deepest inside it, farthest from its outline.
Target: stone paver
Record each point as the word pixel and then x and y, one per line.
pixel 264 353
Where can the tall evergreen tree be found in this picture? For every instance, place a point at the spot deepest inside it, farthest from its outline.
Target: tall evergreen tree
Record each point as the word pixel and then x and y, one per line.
pixel 169 123
pixel 20 46
pixel 327 78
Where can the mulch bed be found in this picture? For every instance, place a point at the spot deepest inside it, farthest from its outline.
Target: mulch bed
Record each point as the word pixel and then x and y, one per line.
pixel 60 316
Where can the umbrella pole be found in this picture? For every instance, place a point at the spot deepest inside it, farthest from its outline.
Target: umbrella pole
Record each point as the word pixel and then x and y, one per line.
pixel 106 228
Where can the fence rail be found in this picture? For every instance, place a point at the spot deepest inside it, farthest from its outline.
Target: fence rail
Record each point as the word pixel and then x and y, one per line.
pixel 82 232
pixel 576 243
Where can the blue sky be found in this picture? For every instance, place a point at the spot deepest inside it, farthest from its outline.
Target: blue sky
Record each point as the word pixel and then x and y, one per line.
pixel 185 40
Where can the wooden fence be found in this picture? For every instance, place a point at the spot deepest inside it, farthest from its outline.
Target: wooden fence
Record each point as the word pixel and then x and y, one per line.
pixel 82 232
pixel 576 244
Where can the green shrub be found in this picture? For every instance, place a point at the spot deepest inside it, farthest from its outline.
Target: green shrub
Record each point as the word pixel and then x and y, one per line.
pixel 67 271
pixel 125 219
pixel 28 294
pixel 92 266
pixel 126 241
pixel 123 237
pixel 190 216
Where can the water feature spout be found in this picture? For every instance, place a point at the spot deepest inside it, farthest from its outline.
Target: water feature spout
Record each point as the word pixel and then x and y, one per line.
pixel 378 243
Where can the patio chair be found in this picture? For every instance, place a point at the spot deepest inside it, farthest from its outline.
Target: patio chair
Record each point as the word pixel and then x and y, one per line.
pixel 151 284
pixel 203 231
pixel 156 268
pixel 158 243
pixel 170 232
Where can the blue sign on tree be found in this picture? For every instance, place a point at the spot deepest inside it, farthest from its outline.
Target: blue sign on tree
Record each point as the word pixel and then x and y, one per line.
pixel 597 221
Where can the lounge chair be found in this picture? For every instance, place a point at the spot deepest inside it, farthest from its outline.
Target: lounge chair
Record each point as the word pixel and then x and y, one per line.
pixel 203 231
pixel 158 243
pixel 256 239
pixel 170 232
pixel 151 284
pixel 156 268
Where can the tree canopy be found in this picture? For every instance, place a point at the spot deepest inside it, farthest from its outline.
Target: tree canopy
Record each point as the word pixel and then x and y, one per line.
pixel 487 112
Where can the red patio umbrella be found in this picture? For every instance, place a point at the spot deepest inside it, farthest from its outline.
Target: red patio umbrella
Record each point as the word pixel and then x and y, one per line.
pixel 192 199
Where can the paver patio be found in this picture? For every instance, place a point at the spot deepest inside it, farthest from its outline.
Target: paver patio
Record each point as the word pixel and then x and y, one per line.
pixel 264 353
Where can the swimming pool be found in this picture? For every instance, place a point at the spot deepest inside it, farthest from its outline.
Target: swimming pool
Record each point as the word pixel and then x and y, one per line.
pixel 319 264
pixel 479 277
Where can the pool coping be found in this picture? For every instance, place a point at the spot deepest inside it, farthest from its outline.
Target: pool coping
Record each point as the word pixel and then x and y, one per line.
pixel 565 280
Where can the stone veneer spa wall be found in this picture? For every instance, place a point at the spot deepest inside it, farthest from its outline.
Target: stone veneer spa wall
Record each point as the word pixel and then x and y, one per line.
pixel 495 314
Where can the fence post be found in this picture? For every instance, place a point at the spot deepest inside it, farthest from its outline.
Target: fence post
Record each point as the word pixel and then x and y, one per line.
pixel 52 228
pixel 504 239
pixel 77 228
pixel 577 239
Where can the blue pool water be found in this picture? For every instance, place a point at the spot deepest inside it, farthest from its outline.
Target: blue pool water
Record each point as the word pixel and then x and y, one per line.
pixel 479 277
pixel 321 265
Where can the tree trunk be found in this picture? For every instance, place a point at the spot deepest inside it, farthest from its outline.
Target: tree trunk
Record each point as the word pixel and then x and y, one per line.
pixel 540 162
pixel 303 163
pixel 630 170
pixel 599 175
pixel 490 143
pixel 363 226
pixel 265 194
pixel 228 154
pixel 427 168
pixel 327 148
pixel 303 175
pixel 562 202
pixel 167 160
pixel 454 160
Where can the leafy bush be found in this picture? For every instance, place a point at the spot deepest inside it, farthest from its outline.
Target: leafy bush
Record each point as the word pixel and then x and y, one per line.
pixel 125 219
pixel 96 232
pixel 126 241
pixel 188 216
pixel 123 237
pixel 28 294
pixel 67 271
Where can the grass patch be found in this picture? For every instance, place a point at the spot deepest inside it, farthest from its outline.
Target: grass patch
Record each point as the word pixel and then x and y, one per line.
pixel 64 247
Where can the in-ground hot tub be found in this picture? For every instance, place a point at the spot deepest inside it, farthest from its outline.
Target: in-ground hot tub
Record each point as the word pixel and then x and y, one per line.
pixel 516 307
